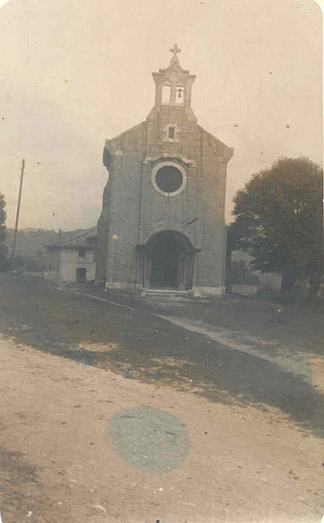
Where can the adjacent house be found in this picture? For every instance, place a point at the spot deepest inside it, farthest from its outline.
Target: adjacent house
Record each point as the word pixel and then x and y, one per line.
pixel 72 259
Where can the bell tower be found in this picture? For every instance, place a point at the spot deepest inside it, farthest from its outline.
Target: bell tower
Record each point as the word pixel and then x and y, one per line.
pixel 173 88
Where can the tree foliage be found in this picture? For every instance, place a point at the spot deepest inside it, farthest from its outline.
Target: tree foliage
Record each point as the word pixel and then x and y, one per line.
pixel 279 221
pixel 27 263
pixel 3 248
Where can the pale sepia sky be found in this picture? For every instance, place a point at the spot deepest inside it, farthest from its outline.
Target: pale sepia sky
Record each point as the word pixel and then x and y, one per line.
pixel 74 72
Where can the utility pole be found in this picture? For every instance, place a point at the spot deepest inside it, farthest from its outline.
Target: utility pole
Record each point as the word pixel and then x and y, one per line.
pixel 17 215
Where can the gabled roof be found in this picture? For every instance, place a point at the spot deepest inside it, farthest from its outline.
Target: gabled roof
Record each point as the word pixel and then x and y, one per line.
pixel 78 240
pixel 123 134
pixel 229 150
pixel 174 67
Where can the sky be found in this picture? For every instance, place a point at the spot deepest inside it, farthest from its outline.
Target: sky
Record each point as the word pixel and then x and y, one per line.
pixel 74 73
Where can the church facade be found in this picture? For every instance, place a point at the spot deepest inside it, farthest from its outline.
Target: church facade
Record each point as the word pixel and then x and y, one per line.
pixel 162 224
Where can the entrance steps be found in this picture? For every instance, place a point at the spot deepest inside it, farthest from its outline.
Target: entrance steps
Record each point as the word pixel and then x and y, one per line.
pixel 166 292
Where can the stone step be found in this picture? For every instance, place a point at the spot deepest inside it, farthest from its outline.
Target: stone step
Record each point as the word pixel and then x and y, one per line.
pixel 165 292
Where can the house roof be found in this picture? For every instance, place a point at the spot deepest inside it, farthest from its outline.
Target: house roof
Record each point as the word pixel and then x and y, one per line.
pixel 79 240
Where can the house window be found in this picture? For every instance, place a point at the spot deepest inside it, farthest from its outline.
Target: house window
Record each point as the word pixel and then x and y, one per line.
pixel 171 132
pixel 180 95
pixel 82 252
pixel 166 94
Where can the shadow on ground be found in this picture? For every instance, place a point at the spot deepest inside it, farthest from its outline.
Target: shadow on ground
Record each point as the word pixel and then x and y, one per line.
pixel 144 347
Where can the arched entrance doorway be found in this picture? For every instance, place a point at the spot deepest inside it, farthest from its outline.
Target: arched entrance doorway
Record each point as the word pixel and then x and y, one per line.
pixel 165 262
pixel 168 261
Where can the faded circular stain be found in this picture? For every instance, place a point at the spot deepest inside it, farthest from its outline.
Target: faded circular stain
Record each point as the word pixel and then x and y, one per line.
pixel 149 439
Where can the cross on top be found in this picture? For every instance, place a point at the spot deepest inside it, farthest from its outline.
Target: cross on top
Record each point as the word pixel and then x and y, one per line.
pixel 175 50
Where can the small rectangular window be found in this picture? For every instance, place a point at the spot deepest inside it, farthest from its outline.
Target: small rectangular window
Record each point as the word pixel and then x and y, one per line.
pixel 166 94
pixel 172 133
pixel 82 252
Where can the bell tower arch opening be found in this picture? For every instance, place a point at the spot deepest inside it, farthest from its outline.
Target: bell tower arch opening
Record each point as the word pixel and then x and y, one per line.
pixel 173 87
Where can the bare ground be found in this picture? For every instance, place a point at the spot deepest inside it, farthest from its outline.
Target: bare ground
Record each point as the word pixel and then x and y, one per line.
pixel 254 455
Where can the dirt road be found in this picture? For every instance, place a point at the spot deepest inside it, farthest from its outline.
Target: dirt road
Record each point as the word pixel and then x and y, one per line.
pixel 142 421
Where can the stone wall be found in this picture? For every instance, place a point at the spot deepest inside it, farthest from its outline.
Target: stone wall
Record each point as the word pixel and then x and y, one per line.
pixel 70 262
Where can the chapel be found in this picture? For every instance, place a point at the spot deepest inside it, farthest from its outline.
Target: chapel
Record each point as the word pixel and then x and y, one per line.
pixel 162 225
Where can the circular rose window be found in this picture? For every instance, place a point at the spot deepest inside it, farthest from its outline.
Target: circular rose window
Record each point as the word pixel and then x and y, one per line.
pixel 168 179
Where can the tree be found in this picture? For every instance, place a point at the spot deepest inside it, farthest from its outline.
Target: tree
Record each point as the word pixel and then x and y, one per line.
pixel 27 263
pixel 3 233
pixel 279 221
